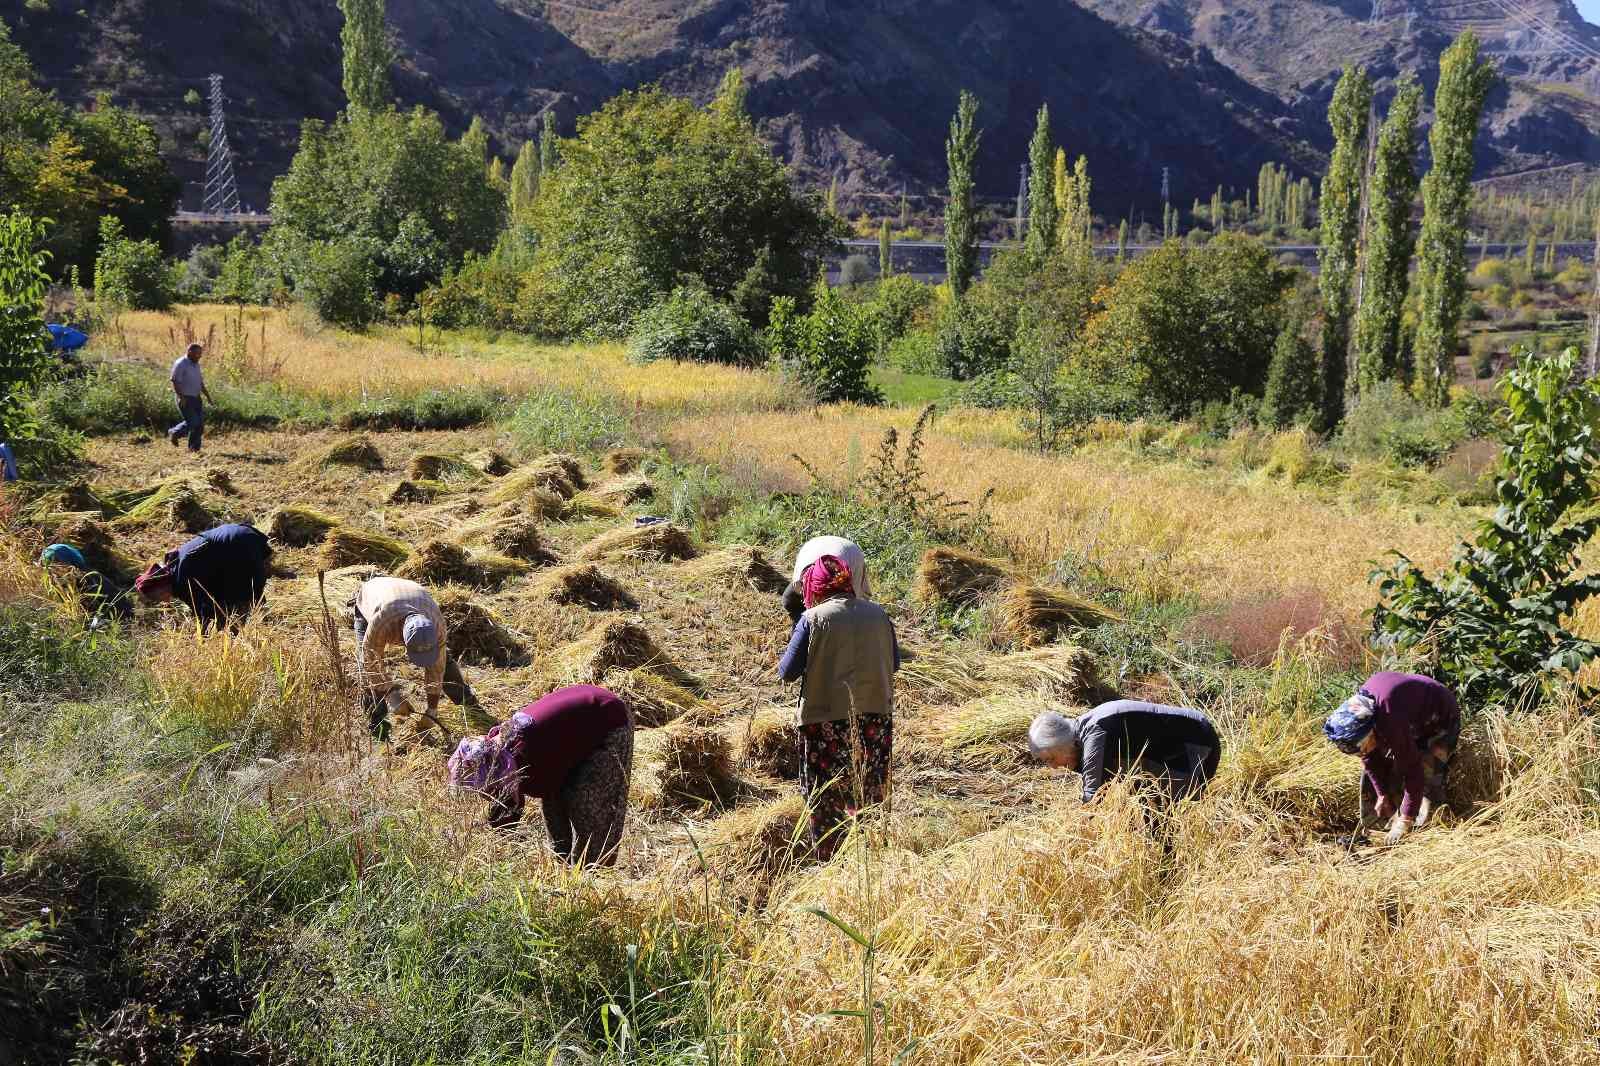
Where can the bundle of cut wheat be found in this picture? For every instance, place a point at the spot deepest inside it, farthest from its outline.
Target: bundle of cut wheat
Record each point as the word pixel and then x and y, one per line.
pixel 175 504
pixel 738 565
pixel 1030 616
pixel 958 578
pixel 587 505
pixel 475 635
pixel 756 845
pixel 296 527
pixel 99 548
pixel 519 538
pixel 431 466
pixel 557 474
pixel 583 585
pixel 415 492
pixel 438 562
pixel 696 768
pixel 617 644
pixel 489 462
pixel 661 542
pixel 348 547
pixel 534 491
pixel 625 489
pixel 772 744
pixel 655 700
pixel 1066 672
pixel 358 451
pixel 625 461
pixel 990 733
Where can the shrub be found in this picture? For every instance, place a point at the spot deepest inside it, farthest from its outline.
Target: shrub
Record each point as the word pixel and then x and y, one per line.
pixel 555 421
pixel 198 274
pixel 130 273
pixel 1483 357
pixel 338 281
pixel 482 293
pixel 916 353
pixel 898 303
pixel 855 270
pixel 1387 423
pixel 692 325
pixel 829 351
pixel 24 361
pixel 971 340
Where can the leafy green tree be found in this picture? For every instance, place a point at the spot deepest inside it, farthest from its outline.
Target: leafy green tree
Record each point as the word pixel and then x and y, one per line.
pixel 732 94
pixel 1041 188
pixel 1294 379
pixel 1464 84
pixel 1075 229
pixel 339 282
pixel 829 350
pixel 654 190
pixel 131 274
pixel 381 178
pixel 524 181
pixel 960 217
pixel 1390 243
pixel 1494 624
pixel 368 55
pixel 549 144
pixel 476 140
pixel 24 355
pixel 1341 223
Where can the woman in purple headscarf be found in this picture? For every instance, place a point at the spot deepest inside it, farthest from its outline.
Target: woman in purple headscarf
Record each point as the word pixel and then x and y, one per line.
pixel 571 750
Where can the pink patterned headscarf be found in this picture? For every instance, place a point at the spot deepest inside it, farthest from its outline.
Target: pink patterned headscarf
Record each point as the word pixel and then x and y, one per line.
pixel 826 578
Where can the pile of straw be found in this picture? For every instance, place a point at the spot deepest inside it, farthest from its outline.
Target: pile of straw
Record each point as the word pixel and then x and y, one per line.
pixel 625 461
pixel 489 462
pixel 358 451
pixel 1063 671
pixel 1030 616
pixel 519 538
pixel 300 601
pixel 654 699
pixel 755 846
pixel 738 565
pixel 985 734
pixel 583 585
pixel 438 562
pixel 660 542
pixel 588 505
pixel 626 489
pixel 99 548
pixel 475 635
pixel 297 527
pixel 350 547
pixel 175 504
pixel 958 578
pixel 772 744
pixel 696 768
pixel 415 492
pixel 556 474
pixel 529 492
pixel 75 497
pixel 617 644
pixel 431 466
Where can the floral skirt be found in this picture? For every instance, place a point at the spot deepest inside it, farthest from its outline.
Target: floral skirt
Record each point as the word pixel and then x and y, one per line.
pixel 828 773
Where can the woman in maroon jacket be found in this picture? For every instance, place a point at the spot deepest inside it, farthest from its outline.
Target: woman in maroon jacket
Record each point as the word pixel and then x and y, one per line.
pixel 571 750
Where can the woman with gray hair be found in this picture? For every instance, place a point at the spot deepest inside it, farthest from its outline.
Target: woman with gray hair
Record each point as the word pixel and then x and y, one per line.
pixel 1177 746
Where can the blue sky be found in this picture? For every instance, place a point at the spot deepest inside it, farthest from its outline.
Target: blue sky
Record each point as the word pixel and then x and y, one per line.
pixel 1590 9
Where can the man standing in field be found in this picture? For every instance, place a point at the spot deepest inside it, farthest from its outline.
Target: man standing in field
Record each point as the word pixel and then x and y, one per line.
pixel 189 386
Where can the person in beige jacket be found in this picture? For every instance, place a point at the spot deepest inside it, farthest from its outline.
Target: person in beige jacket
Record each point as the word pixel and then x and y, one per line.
pixel 394 613
pixel 844 653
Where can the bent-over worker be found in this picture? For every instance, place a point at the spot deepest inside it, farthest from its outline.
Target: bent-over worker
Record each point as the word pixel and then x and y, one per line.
pixel 100 594
pixel 847 551
pixel 1177 746
pixel 221 574
pixel 393 612
pixel 572 751
pixel 844 653
pixel 1405 728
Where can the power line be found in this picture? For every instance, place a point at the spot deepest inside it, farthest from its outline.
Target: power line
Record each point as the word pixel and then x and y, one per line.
pixel 222 191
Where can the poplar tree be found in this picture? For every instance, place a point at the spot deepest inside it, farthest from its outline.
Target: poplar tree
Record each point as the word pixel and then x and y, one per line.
pixel 832 202
pixel 524 180
pixel 1341 209
pixel 1530 255
pixel 960 221
pixel 1390 242
pixel 1464 83
pixel 1042 212
pixel 885 250
pixel 1216 210
pixel 1122 242
pixel 547 146
pixel 476 140
pixel 1074 227
pixel 905 209
pixel 1294 386
pixel 367 54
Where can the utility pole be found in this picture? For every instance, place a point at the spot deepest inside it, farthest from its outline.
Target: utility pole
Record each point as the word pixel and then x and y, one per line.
pixel 222 192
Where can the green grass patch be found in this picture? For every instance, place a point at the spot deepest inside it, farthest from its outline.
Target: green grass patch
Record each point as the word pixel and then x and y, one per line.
pixel 902 388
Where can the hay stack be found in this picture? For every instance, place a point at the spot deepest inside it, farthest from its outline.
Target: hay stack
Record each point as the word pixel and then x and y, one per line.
pixel 350 547
pixel 625 461
pixel 357 451
pixel 660 542
pixel 626 489
pixel 536 491
pixel 490 462
pixel 557 474
pixel 416 492
pixel 755 846
pixel 958 578
pixel 297 527
pixel 772 744
pixel 1065 672
pixel 738 565
pixel 619 645
pixel 696 768
pixel 519 538
pixel 588 505
pixel 1031 616
pixel 475 635
pixel 583 585
pixel 439 562
pixel 990 733
pixel 654 700
pixel 99 548
pixel 431 466
pixel 176 504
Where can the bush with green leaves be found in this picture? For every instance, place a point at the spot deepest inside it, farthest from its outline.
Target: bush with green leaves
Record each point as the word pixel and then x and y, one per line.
pixel 132 274
pixel 1494 623
pixel 338 281
pixel 691 325
pixel 1387 422
pixel 898 303
pixel 827 351
pixel 973 338
pixel 24 356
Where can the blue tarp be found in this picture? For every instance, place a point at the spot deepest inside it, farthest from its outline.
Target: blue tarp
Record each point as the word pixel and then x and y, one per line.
pixel 65 338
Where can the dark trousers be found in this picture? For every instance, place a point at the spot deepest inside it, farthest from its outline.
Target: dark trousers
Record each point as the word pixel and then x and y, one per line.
pixel 194 418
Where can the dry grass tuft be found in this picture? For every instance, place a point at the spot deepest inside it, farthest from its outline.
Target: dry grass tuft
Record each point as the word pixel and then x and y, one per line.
pixel 583 585
pixel 1030 616
pixel 416 492
pixel 986 734
pixel 660 542
pixel 175 504
pixel 952 576
pixel 772 744
pixel 99 548
pixel 1063 671
pixel 296 527
pixel 626 489
pixel 358 451
pixel 431 466
pixel 738 565
pixel 351 547
pixel 475 635
pixel 439 562
pixel 490 462
pixel 617 644
pixel 654 699
pixel 625 461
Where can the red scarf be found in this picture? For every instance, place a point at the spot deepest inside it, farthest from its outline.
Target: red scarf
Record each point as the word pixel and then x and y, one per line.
pixel 826 578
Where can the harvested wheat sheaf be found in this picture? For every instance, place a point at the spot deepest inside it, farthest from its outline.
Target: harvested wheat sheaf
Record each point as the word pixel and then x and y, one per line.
pixel 298 527
pixel 559 475
pixel 175 504
pixel 490 462
pixel 738 565
pixel 519 538
pixel 654 699
pixel 772 744
pixel 349 547
pixel 438 562
pixel 358 451
pixel 1064 671
pixel 990 733
pixel 99 548
pixel 756 845
pixel 625 461
pixel 415 492
pixel 1030 616
pixel 537 491
pixel 661 542
pixel 625 489
pixel 951 576
pixel 695 767
pixel 431 466
pixel 583 585
pixel 618 644
pixel 587 505
pixel 475 635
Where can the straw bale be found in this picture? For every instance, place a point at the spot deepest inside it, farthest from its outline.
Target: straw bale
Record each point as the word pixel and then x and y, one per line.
pixel 626 489
pixel 588 505
pixel 437 562
pixel 625 461
pixel 409 491
pixel 1030 616
pixel 475 635
pixel 539 490
pixel 1066 672
pixel 175 504
pixel 754 846
pixel 98 546
pixel 740 564
pixel 489 462
pixel 654 699
pixel 519 538
pixel 661 542
pixel 772 744
pixel 431 466
pixel 357 451
pixel 583 585
pixel 297 527
pixel 952 576
pixel 349 547
pixel 617 644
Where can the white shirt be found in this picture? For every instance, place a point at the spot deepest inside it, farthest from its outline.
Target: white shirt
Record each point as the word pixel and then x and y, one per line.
pixel 186 376
pixel 846 550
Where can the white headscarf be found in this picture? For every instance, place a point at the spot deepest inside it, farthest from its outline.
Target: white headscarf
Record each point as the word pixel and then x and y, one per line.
pixel 846 550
